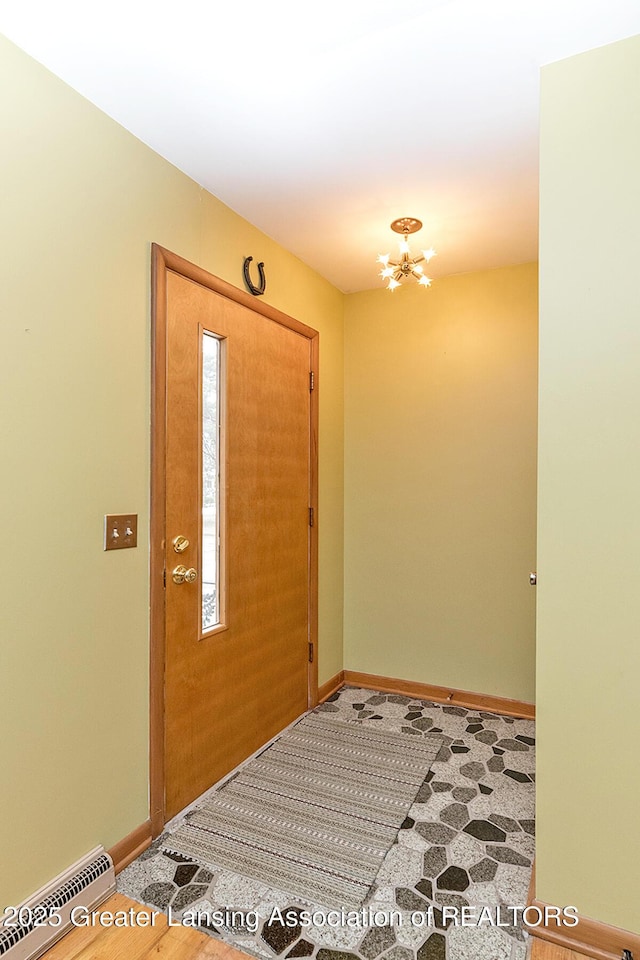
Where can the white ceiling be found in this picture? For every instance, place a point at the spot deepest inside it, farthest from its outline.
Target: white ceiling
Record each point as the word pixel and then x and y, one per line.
pixel 323 123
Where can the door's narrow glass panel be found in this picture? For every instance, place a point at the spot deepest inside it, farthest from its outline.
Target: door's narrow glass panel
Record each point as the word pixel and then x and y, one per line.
pixel 210 482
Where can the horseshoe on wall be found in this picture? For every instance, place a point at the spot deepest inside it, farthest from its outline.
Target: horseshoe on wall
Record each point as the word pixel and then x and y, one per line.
pixel 257 291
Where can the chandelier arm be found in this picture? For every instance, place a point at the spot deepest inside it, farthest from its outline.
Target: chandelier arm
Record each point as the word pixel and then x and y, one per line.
pixel 398 275
pixel 418 259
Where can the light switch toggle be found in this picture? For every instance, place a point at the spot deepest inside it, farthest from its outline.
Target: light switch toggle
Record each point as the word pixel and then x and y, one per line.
pixel 120 531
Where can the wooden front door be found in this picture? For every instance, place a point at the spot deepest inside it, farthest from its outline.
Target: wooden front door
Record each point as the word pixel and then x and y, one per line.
pixel 238 545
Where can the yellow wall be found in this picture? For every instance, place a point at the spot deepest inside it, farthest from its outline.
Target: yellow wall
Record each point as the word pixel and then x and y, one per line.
pixel 440 475
pixel 440 451
pixel 588 847
pixel 81 202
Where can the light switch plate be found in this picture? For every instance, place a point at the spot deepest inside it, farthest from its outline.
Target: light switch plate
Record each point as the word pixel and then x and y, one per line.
pixel 120 531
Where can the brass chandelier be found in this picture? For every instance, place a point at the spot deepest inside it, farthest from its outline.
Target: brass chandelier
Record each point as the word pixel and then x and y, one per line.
pixel 395 271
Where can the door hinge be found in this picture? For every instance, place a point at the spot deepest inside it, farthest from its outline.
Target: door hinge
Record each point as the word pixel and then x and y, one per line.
pixel 312 381
pixel 311 517
pixel 310 652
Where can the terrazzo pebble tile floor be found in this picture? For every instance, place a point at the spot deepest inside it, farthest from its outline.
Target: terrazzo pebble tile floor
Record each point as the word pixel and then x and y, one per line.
pixel 468 841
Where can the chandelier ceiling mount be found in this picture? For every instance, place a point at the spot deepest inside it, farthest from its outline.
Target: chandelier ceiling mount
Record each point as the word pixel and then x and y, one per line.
pixel 395 271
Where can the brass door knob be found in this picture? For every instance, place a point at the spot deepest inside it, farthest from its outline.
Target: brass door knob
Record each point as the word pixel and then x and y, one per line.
pixel 180 544
pixel 182 575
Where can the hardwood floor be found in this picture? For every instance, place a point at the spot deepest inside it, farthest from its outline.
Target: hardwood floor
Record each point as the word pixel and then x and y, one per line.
pixel 549 951
pixel 139 943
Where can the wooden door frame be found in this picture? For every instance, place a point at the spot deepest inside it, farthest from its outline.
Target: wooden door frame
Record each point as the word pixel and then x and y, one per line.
pixel 162 261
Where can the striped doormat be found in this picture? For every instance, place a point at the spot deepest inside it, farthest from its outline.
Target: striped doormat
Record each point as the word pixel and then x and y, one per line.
pixel 315 813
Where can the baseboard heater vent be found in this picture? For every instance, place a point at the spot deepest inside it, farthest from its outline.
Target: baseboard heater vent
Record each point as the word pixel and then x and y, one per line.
pixel 28 930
